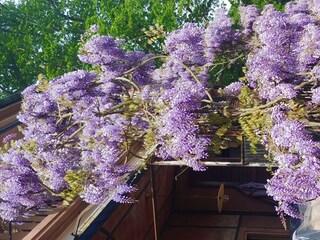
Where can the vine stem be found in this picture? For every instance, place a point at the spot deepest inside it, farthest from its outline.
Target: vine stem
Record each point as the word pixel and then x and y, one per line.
pixel 197 80
pixel 143 63
pixel 128 81
pixel 72 135
pixel 227 61
pixel 279 99
pixel 248 111
pixel 111 110
pixel 61 117
pixel 48 189
pixel 42 184
pixel 312 124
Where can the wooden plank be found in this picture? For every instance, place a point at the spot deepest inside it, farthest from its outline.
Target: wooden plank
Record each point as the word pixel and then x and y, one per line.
pixel 20 235
pixel 186 233
pixel 4 236
pixel 214 164
pixel 27 226
pixel 261 222
pixel 263 234
pixel 54 224
pixel 10 110
pixel 204 220
pixel 8 120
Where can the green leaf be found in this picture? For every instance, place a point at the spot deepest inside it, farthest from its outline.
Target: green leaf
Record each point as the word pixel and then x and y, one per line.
pixel 222 130
pixel 216 119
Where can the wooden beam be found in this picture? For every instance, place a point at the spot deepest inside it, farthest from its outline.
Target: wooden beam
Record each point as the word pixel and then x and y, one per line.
pixel 213 164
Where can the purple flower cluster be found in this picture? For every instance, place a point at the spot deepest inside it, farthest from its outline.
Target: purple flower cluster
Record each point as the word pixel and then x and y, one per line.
pixel 316 95
pixel 218 33
pixel 187 45
pixel 287 45
pixel 177 136
pixel 102 50
pixel 113 61
pixel 286 133
pixel 101 151
pixel 65 130
pixel 183 85
pixel 21 187
pixel 308 48
pixel 298 158
pixel 9 137
pixel 177 131
pixel 279 112
pixel 248 15
pixel 294 186
pixel 282 65
pixel 271 65
pixel 194 45
pixel 233 89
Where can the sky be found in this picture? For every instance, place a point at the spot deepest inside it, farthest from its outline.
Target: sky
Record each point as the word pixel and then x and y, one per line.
pixel 227 3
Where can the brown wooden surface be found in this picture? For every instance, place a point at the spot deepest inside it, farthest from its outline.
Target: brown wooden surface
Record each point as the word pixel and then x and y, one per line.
pixel 54 224
pixel 263 234
pixel 204 220
pixel 10 110
pixel 192 233
pixel 135 221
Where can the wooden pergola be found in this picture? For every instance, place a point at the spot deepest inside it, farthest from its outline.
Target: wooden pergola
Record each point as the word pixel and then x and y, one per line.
pixel 58 222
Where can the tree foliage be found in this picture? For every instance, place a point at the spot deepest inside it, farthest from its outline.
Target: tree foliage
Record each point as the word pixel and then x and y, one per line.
pixel 42 36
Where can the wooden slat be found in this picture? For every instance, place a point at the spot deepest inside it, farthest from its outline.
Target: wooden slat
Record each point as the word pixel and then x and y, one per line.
pixel 10 110
pixel 213 164
pixel 8 120
pixel 204 220
pixel 4 236
pixel 20 235
pixel 54 224
pixel 254 157
pixel 183 233
pixel 28 226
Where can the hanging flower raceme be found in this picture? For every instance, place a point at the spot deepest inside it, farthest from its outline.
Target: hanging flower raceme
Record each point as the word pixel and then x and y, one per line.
pixel 282 71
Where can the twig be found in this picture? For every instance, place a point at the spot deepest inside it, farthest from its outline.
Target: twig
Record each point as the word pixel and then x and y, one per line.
pixel 197 80
pixel 143 63
pixel 128 81
pixel 111 110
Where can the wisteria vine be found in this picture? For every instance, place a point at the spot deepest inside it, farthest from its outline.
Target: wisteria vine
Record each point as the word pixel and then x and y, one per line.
pixel 79 128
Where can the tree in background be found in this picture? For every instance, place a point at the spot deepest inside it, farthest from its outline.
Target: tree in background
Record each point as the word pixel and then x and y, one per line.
pixel 42 36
